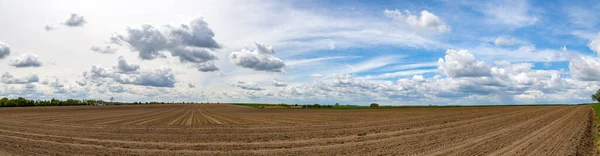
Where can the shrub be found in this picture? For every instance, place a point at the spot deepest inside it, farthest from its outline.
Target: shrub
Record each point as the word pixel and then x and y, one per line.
pixel 374 105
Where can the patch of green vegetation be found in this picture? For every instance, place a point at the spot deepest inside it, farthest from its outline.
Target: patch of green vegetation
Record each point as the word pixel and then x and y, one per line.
pixel 596 107
pixel 256 105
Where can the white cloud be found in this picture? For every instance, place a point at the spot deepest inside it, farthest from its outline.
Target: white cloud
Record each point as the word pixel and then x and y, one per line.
pixel 582 16
pixel 74 20
pixel 427 21
pixel 54 84
pixel 505 41
pixel 4 50
pixel 198 56
pixel 261 59
pixel 594 45
pixel 525 53
pixel 409 66
pixel 107 49
pixel 278 83
pixel 373 63
pixel 247 85
pixel 191 43
pixel 26 60
pixel 508 13
pixel 8 78
pixel 307 61
pixel 585 68
pixel 316 76
pixel 462 64
pixel 127 73
pixel 125 67
pixel 161 77
pixel 529 95
pixel 400 73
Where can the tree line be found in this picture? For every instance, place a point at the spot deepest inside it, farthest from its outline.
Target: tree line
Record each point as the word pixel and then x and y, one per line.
pixel 22 102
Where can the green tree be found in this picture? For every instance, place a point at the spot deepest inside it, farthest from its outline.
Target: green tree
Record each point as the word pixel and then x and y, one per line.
pixel 374 105
pixel 4 102
pixel 596 97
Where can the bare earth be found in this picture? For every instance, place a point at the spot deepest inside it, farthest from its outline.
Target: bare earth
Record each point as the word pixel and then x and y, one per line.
pixel 220 129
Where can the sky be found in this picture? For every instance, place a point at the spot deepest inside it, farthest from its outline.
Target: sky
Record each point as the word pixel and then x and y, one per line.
pixel 438 52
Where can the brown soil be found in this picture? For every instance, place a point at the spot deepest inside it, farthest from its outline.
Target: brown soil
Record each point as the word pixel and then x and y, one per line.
pixel 221 129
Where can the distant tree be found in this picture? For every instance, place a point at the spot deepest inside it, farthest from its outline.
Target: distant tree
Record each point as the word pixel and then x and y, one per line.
pixel 337 104
pixel 596 97
pixel 374 105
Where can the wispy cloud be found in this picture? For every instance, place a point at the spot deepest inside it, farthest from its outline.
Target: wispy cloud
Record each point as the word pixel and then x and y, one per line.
pixel 312 60
pixel 373 64
pixel 400 73
pixel 408 66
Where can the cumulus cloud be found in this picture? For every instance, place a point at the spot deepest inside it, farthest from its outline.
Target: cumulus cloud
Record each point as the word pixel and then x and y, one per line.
pixel 462 64
pixel 128 73
pixel 585 69
pixel 147 40
pixel 4 50
pixel 54 83
pixel 246 85
pixel 75 20
pixel 126 67
pixel 161 77
pixel 278 83
pixel 426 20
pixel 594 45
pixel 8 78
pixel 345 80
pixel 261 59
pixel 196 34
pixel 107 49
pixel 191 43
pixel 26 60
pixel 197 56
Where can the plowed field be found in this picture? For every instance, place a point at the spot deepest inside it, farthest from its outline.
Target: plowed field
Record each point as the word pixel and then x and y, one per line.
pixel 221 129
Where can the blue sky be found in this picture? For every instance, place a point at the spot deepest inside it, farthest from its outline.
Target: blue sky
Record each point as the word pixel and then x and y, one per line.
pixel 352 52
